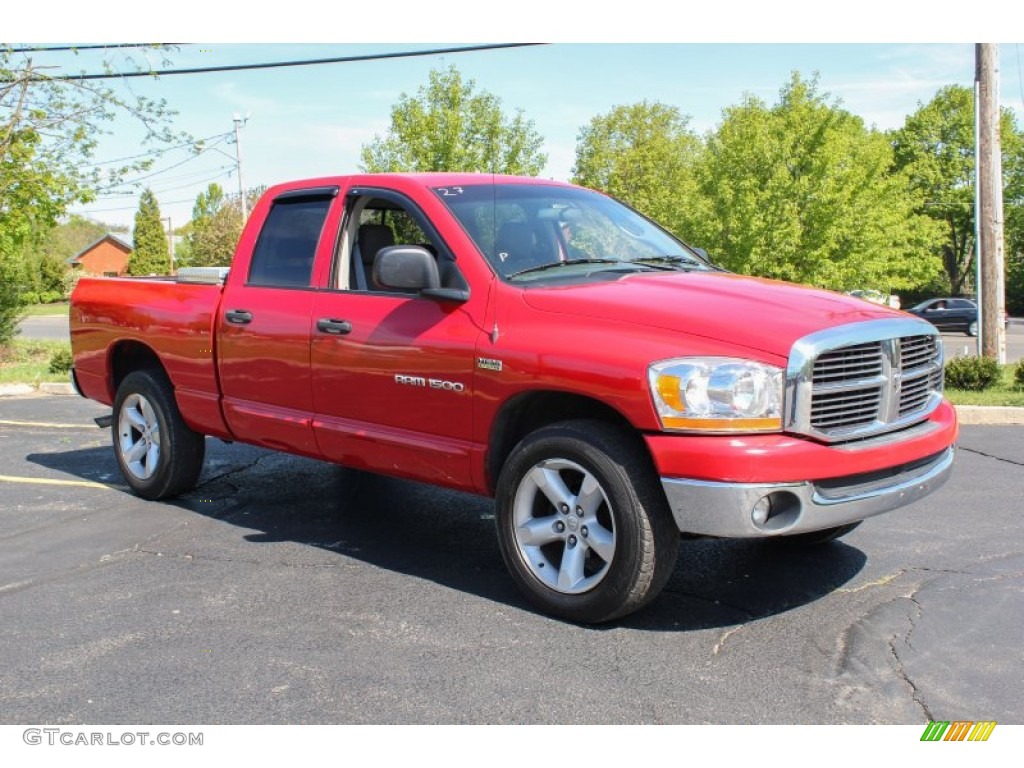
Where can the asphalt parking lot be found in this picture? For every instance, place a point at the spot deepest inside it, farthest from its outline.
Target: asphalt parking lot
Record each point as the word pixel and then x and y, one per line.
pixel 288 591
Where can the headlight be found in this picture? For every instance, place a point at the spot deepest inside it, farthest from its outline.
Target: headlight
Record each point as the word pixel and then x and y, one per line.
pixel 718 394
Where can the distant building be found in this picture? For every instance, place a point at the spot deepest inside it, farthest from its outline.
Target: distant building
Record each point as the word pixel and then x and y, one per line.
pixel 108 257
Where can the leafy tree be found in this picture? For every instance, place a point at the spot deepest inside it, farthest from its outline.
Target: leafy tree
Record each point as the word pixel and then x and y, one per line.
pixel 645 155
pixel 213 230
pixel 150 254
pixel 935 148
pixel 802 191
pixel 449 126
pixel 49 129
pixel 212 234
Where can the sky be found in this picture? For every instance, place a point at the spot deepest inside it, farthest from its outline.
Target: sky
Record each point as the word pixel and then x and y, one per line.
pixel 300 122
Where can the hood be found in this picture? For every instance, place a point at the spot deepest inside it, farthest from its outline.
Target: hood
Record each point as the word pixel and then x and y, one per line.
pixel 765 315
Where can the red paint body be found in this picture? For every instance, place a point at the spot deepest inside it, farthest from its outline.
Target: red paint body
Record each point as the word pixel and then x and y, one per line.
pixel 279 383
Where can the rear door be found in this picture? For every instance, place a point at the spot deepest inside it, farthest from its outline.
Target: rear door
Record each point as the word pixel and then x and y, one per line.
pixel 264 324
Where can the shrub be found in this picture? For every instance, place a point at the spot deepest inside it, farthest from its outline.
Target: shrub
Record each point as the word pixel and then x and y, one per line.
pixel 61 361
pixel 972 373
pixel 1018 375
pixel 28 298
pixel 50 297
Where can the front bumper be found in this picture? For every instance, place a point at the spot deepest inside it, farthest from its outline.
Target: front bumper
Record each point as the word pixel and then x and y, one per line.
pixel 728 509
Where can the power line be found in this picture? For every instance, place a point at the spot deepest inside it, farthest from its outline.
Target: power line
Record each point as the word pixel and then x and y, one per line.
pixel 48 48
pixel 189 159
pixel 159 152
pixel 132 207
pixel 222 171
pixel 278 64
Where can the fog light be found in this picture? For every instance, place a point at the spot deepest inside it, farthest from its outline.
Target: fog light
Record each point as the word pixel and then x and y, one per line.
pixel 761 511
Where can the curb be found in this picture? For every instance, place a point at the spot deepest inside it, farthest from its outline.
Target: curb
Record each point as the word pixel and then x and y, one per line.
pixel 989 414
pixel 44 388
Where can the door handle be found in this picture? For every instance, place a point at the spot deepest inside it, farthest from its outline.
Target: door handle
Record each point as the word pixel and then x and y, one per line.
pixel 238 316
pixel 337 327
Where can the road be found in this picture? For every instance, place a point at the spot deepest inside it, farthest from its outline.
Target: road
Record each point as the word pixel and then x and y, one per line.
pixel 45 328
pixel 284 590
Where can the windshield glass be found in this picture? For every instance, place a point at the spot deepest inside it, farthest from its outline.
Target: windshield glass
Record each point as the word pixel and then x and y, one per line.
pixel 533 232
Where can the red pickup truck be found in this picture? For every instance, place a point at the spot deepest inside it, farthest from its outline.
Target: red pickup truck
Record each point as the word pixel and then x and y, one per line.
pixel 531 341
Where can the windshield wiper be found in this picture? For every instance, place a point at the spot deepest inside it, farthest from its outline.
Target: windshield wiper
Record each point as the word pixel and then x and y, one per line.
pixel 570 262
pixel 674 262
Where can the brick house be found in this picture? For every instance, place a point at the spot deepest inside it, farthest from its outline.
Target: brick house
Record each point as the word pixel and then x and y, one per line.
pixel 108 256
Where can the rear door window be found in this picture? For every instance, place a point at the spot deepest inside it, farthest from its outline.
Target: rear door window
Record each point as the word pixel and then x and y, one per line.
pixel 284 253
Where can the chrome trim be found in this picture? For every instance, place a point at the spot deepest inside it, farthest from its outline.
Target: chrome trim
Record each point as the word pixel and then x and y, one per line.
pixel 724 509
pixel 74 382
pixel 800 389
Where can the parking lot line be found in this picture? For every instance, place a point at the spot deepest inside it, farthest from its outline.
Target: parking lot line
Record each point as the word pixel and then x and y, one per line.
pixel 46 481
pixel 46 424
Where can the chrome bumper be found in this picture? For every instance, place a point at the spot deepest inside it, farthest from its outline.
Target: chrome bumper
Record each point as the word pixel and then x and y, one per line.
pixel 728 509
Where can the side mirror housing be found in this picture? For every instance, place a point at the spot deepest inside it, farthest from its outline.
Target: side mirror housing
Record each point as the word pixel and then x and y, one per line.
pixel 406 268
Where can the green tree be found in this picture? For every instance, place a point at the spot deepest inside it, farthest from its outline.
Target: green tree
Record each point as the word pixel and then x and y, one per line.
pixel 49 129
pixel 150 254
pixel 450 126
pixel 213 230
pixel 935 148
pixel 802 191
pixel 211 235
pixel 645 155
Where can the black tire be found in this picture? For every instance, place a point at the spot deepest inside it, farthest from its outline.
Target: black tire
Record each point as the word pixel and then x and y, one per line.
pixel 159 456
pixel 972 328
pixel 612 547
pixel 814 538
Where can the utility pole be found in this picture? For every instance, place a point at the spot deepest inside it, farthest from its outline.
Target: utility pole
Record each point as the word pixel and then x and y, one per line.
pixel 992 342
pixel 170 242
pixel 239 122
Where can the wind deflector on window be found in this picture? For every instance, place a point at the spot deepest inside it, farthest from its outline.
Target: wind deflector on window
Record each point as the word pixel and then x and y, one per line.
pixel 311 193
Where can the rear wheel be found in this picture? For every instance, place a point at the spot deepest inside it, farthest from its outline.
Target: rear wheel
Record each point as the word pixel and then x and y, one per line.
pixel 159 456
pixel 972 329
pixel 582 524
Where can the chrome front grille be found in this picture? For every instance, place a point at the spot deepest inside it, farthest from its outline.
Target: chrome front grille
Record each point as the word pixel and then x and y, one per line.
pixel 864 379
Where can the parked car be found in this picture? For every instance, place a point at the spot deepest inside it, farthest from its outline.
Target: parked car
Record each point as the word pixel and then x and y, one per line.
pixel 949 314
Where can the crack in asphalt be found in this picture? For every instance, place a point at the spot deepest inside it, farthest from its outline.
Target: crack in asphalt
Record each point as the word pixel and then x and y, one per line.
pixel 915 694
pixel 990 456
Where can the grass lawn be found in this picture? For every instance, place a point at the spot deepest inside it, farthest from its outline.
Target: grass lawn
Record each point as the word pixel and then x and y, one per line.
pixel 28 362
pixel 1004 393
pixel 36 310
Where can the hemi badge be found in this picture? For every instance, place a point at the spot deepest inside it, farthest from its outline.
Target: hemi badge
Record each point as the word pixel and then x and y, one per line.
pixel 488 364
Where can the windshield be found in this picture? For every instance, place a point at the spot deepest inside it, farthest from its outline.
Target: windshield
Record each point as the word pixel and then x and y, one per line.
pixel 534 232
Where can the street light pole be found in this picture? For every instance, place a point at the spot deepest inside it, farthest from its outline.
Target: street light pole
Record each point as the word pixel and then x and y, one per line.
pixel 239 122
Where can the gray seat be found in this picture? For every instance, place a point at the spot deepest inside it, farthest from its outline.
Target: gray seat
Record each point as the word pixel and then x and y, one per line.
pixel 371 239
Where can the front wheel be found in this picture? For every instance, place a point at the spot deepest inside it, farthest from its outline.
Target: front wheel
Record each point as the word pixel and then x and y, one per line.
pixel 582 524
pixel 159 456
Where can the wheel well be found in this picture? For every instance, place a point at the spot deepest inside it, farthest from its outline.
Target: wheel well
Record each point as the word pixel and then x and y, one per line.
pixel 131 356
pixel 531 411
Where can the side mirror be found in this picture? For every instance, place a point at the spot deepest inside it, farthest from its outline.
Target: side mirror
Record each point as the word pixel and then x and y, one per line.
pixel 406 268
pixel 702 253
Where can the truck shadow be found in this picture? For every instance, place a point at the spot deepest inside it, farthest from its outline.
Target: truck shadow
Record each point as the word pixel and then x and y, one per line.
pixel 448 537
